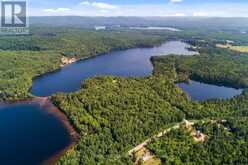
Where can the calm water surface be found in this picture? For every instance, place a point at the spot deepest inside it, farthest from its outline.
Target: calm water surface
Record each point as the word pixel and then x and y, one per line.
pixel 201 91
pixel 156 28
pixel 128 63
pixel 29 134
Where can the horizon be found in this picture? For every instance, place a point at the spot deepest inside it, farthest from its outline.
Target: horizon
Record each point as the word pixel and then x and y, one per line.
pixel 140 16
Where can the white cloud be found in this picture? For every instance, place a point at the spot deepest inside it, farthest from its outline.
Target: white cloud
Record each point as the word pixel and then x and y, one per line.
pixel 99 5
pixel 175 1
pixel 179 15
pixel 106 6
pixel 85 3
pixel 104 11
pixel 200 14
pixel 56 10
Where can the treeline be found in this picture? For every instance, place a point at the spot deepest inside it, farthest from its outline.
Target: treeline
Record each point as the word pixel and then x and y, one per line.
pixel 77 42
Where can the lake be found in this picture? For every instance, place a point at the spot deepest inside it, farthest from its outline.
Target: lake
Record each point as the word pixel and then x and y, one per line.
pixel 156 28
pixel 201 91
pixel 30 134
pixel 127 63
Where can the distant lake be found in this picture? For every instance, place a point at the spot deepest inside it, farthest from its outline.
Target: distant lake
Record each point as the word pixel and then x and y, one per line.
pixel 201 91
pixel 127 63
pixel 156 28
pixel 29 134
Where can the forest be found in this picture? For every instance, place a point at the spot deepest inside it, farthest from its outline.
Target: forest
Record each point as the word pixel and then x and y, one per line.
pixel 78 42
pixel 226 144
pixel 114 114
pixel 17 68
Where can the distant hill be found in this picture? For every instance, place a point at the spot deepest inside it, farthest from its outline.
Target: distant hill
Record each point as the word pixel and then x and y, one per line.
pixel 179 22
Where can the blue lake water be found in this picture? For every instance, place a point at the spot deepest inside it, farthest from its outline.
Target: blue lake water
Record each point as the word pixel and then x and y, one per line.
pixel 29 134
pixel 201 91
pixel 127 63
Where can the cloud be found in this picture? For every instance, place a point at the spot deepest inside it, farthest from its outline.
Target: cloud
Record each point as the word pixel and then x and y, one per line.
pixel 106 6
pixel 200 14
pixel 176 1
pixel 104 11
pixel 99 5
pixel 85 3
pixel 179 15
pixel 56 10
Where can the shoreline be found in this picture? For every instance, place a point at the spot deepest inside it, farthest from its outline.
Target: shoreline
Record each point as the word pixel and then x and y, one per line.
pixel 52 109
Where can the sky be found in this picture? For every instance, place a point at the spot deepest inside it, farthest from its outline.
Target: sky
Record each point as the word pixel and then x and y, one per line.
pixel 180 8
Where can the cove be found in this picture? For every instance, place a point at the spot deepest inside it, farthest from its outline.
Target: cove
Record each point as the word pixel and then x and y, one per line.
pixel 32 132
pixel 127 63
pixel 201 91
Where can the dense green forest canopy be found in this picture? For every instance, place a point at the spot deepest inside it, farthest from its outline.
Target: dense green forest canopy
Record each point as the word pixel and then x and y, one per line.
pixel 226 143
pixel 77 42
pixel 17 68
pixel 115 114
